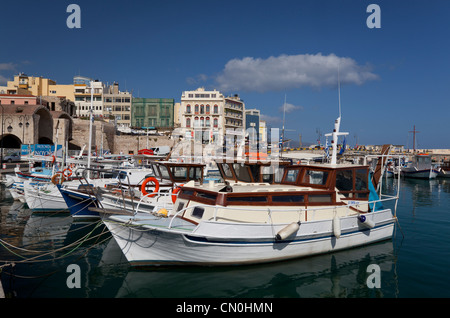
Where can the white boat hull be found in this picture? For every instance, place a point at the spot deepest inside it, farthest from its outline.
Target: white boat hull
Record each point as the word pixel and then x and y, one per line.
pixel 45 197
pixel 218 243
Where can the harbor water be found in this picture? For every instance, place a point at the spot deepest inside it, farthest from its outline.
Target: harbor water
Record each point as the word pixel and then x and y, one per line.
pixel 41 254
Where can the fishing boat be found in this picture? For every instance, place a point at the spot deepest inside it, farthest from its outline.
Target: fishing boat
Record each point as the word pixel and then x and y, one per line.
pixel 313 209
pixel 156 189
pixel 444 170
pixel 420 167
pixel 43 197
pixel 15 183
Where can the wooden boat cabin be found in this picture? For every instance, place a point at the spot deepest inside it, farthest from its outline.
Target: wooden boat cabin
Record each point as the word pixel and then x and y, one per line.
pixel 301 186
pixel 252 171
pixel 176 172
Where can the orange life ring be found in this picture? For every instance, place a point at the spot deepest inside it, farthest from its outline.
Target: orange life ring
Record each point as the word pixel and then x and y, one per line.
pixel 60 176
pixel 175 191
pixel 155 181
pixel 67 175
pixel 53 159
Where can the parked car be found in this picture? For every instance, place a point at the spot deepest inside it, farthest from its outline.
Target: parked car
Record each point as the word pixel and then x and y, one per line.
pixel 12 157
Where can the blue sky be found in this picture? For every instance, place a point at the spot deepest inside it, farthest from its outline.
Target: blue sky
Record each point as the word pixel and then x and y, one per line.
pixel 392 78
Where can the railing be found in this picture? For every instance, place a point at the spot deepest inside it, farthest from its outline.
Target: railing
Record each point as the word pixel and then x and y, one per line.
pixel 383 170
pixel 270 210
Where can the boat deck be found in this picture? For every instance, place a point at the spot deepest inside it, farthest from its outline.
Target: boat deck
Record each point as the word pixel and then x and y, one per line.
pixel 149 221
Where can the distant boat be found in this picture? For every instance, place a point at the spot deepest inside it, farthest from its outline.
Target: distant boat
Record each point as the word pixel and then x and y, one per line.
pixel 420 167
pixel 444 171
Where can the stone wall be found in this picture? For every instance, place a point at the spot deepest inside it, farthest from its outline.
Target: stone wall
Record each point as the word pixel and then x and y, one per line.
pixel 112 142
pixel 131 144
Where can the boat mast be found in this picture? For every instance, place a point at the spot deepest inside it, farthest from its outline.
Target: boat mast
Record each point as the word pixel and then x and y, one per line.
pixel 337 123
pixel 414 131
pixel 282 132
pixel 90 125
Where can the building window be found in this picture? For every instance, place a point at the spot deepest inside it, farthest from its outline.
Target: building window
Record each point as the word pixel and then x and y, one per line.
pixel 215 123
pixel 207 122
pixel 188 122
pixel 196 109
pixel 202 109
pixel 188 109
pixel 208 109
pixel 196 122
pixel 216 109
pixel 152 110
pixel 202 122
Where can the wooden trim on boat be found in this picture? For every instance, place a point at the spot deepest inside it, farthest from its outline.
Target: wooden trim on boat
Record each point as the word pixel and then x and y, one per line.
pixel 255 198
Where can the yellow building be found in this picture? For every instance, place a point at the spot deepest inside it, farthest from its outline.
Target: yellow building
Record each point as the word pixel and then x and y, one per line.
pixel 37 86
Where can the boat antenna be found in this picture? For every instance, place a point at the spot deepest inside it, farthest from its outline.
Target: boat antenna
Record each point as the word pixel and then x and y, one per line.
pixel 337 124
pixel 282 132
pixel 339 92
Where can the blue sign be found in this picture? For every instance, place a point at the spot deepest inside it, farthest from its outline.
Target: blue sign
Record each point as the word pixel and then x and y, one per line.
pixel 41 150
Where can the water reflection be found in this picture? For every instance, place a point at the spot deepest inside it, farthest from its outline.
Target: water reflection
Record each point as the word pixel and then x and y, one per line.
pixel 49 243
pixel 341 274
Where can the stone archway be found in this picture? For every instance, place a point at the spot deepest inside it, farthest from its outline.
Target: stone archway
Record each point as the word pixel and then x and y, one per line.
pixel 10 141
pixel 45 141
pixel 43 122
pixel 62 127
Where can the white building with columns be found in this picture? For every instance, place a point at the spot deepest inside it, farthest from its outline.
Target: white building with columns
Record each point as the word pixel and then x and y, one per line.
pixel 209 115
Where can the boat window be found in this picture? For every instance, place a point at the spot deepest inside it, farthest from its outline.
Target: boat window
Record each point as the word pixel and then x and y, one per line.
pixel 268 174
pixel 198 212
pixel 179 173
pixel 322 198
pixel 315 177
pixel 344 180
pixel 187 192
pixel 291 175
pixel 241 172
pixel 361 179
pixel 254 169
pixel 164 172
pixel 247 199
pixel 122 175
pixel 423 160
pixel 205 195
pixel 227 170
pixel 288 198
pixel 180 206
pixel 156 171
pixel 195 173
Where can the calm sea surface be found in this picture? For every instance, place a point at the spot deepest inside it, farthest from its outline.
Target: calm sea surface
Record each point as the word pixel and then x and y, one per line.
pixel 415 263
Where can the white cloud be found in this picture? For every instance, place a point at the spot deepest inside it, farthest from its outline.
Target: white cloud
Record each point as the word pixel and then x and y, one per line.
pixel 270 119
pixel 289 108
pixel 291 71
pixel 197 80
pixel 3 80
pixel 8 68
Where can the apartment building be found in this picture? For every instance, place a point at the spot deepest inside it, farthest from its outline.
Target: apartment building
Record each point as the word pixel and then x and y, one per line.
pixel 152 112
pixel 117 105
pixel 37 86
pixel 209 115
pixel 82 93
